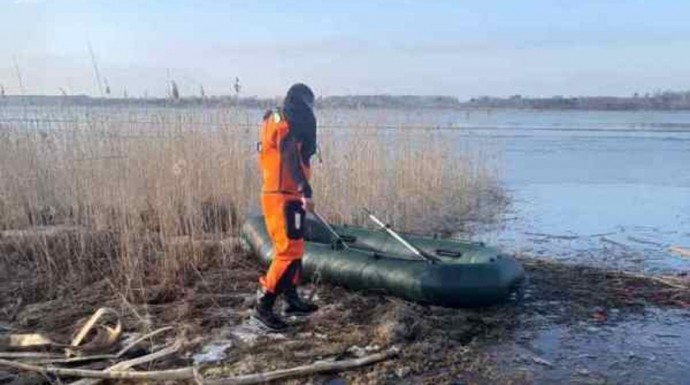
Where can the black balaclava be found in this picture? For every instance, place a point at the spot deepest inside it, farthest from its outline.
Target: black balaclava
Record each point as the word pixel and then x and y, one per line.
pixel 298 109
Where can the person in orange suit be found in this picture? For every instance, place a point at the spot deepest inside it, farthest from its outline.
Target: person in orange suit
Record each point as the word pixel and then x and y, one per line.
pixel 288 141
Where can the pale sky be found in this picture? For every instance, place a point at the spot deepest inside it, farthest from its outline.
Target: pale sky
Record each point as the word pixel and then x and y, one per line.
pixel 458 48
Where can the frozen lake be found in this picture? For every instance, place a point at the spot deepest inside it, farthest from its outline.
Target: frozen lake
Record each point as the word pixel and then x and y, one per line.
pixel 595 187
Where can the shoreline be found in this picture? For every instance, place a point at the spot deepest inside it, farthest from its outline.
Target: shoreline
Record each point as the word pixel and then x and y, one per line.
pixel 437 344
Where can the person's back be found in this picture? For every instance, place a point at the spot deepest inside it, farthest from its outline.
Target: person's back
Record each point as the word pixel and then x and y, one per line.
pixel 284 171
pixel 288 140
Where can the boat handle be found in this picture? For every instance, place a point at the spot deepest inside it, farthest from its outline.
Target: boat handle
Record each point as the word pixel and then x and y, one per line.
pixel 448 253
pixel 348 238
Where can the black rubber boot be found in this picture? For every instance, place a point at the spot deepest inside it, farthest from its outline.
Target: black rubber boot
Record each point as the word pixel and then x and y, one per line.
pixel 294 305
pixel 264 316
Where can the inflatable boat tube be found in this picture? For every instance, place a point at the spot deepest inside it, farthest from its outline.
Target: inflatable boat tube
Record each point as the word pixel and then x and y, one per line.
pixel 467 274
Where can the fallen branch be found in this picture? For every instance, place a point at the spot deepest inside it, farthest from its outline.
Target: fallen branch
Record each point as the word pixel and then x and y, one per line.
pixel 139 340
pixel 22 355
pixel 305 370
pixel 119 371
pixel 667 282
pixel 101 341
pixel 172 374
pixel 122 352
pixel 644 241
pixel 554 236
pixel 125 365
pixel 33 340
pixel 611 241
pixel 661 280
pixel 73 360
pixel 541 361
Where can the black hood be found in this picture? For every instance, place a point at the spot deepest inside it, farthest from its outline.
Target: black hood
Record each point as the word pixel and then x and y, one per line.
pixel 298 109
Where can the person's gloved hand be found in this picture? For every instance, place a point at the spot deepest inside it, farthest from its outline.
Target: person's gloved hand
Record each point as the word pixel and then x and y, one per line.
pixel 308 204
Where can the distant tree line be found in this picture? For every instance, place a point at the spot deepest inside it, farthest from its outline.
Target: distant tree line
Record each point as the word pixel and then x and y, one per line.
pixel 388 101
pixel 174 100
pixel 667 100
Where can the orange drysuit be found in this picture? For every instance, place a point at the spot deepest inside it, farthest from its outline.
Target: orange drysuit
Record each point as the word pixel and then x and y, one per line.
pixel 285 182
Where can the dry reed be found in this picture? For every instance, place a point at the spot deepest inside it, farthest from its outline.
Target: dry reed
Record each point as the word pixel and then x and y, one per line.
pixel 144 196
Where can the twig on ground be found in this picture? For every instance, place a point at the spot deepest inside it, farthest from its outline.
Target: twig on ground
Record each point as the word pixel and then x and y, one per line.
pixel 125 365
pixel 73 360
pixel 172 374
pixel 661 280
pixel 554 236
pixel 139 340
pixel 611 241
pixel 645 241
pixel 22 355
pixel 305 370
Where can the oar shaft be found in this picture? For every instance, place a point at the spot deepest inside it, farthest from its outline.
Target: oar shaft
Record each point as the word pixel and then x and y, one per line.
pixel 329 228
pixel 399 238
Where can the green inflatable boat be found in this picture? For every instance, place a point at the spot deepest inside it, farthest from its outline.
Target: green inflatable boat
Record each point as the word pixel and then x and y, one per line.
pixel 457 274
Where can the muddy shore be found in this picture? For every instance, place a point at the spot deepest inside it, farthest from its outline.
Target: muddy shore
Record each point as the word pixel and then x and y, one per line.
pixel 439 345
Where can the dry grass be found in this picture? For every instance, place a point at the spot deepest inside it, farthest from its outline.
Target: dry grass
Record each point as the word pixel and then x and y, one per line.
pixel 142 196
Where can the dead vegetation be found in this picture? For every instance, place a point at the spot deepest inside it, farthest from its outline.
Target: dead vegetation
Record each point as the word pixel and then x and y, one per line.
pixel 438 345
pixel 148 191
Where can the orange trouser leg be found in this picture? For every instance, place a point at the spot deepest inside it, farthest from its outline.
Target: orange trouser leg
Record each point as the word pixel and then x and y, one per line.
pixel 288 247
